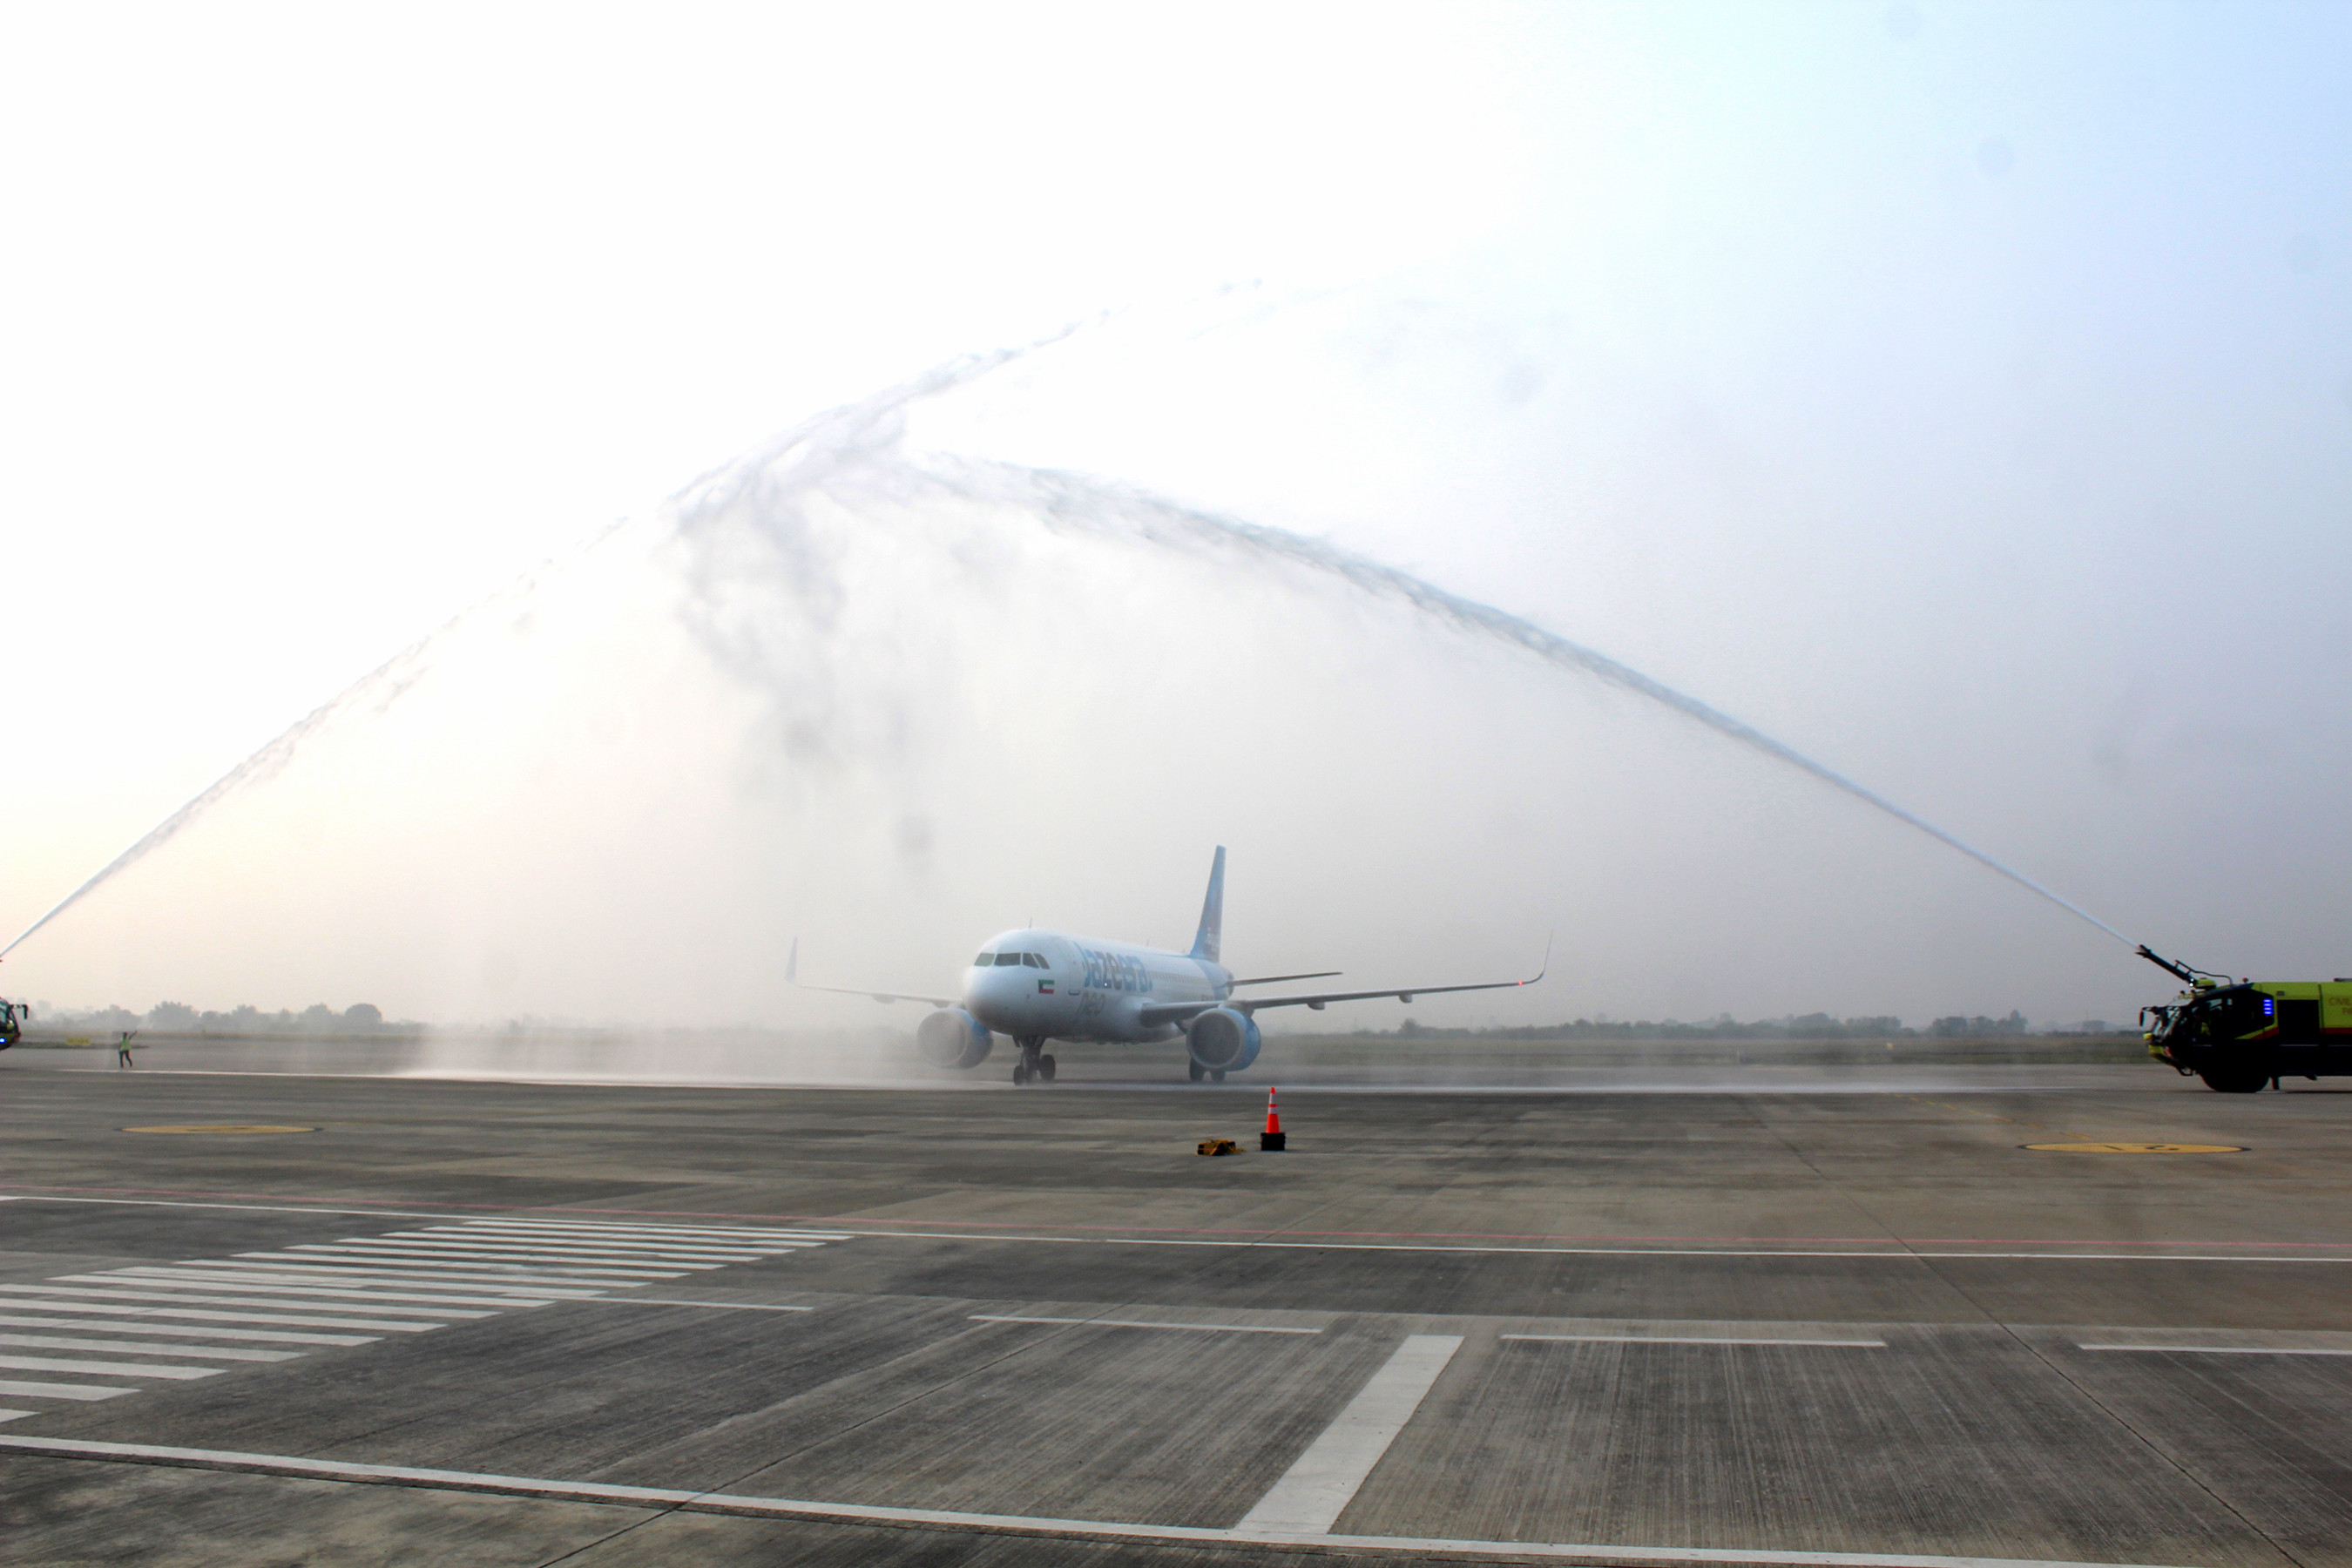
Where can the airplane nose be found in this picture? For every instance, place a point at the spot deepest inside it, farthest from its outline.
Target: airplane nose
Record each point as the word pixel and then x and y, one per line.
pixel 996 988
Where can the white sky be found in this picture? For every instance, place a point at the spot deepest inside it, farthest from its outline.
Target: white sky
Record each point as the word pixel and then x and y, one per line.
pixel 1963 393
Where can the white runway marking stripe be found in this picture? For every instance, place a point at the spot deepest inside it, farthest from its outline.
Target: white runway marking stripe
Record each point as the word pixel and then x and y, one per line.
pixel 589 1241
pixel 1691 1339
pixel 208 1316
pixel 60 1389
pixel 724 1233
pixel 583 1235
pixel 482 1264
pixel 629 1246
pixel 527 1252
pixel 1905 1255
pixel 2222 1350
pixel 1885 1254
pixel 455 1220
pixel 327 1270
pixel 290 1313
pixel 577 1270
pixel 12 1415
pixel 530 1251
pixel 337 1271
pixel 1136 1323
pixel 104 1368
pixel 487 1269
pixel 166 1293
pixel 727 1305
pixel 141 1347
pixel 198 1331
pixel 330 1290
pixel 1322 1481
pixel 377 1284
pixel 405 1281
pixel 437 1276
pixel 988 1523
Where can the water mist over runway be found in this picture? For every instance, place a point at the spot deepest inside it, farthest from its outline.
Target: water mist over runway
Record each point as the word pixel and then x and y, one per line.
pixel 891 701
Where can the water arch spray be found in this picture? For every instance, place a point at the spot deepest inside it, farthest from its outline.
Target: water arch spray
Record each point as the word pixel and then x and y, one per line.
pixel 854 457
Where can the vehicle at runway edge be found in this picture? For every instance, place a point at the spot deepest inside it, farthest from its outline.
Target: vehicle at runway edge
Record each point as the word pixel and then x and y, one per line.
pixel 2240 1034
pixel 14 1017
pixel 1038 986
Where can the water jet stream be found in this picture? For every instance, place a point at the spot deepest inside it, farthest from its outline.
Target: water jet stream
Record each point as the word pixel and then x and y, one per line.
pixel 857 448
pixel 817 446
pixel 1077 501
pixel 380 689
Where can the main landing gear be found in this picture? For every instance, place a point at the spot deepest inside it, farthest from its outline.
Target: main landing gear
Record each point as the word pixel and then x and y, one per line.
pixel 1034 1065
pixel 1215 1075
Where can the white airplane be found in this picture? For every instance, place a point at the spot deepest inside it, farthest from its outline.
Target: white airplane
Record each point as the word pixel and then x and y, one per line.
pixel 1042 986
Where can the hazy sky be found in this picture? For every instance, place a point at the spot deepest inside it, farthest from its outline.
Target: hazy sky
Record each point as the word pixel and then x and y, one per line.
pixel 1961 394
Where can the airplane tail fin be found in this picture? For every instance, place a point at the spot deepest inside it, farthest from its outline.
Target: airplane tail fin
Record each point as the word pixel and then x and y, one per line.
pixel 1210 939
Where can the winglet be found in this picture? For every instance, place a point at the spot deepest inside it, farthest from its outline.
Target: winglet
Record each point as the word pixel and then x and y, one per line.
pixel 1210 939
pixel 1546 962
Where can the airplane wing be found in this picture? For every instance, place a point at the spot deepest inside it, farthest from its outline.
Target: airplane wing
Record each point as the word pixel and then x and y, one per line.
pixel 882 995
pixel 793 975
pixel 1185 1011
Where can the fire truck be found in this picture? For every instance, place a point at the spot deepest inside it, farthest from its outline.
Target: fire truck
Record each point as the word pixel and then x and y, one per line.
pixel 2240 1036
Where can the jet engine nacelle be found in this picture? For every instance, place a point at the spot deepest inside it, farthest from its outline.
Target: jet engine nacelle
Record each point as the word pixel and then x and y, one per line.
pixel 1223 1039
pixel 952 1038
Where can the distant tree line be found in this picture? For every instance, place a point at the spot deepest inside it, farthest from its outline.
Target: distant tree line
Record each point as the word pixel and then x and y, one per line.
pixel 179 1018
pixel 1959 1028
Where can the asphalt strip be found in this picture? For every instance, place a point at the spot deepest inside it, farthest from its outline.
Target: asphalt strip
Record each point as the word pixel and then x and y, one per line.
pixel 836 1232
pixel 980 1523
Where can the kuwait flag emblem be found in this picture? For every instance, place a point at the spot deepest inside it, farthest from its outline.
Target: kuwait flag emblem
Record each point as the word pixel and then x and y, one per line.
pixel 1045 988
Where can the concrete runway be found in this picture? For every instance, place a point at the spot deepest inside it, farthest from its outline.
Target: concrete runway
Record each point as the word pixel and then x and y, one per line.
pixel 1757 1322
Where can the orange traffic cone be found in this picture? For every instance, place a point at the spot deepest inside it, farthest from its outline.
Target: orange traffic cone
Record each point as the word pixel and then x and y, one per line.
pixel 1272 1137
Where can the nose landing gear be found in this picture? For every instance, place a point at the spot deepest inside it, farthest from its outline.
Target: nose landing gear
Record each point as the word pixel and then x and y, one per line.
pixel 1035 1066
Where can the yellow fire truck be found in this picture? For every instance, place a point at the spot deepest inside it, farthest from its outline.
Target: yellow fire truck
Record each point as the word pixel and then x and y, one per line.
pixel 2239 1035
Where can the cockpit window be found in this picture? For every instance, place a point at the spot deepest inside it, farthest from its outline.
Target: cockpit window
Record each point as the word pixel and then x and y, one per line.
pixel 984 961
pixel 1003 959
pixel 1034 960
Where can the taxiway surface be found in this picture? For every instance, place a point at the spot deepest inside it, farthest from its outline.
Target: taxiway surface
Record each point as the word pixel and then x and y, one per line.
pixel 530 1323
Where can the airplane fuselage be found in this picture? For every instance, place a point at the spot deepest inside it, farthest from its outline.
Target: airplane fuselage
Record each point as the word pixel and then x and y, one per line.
pixel 1049 985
